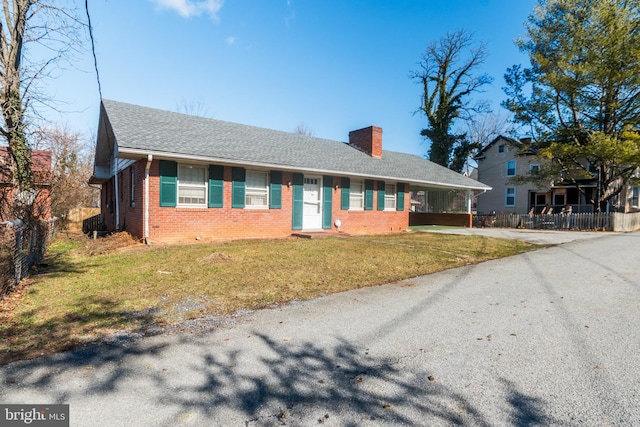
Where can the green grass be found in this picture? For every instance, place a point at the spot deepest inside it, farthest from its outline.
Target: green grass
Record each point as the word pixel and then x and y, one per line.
pixel 79 297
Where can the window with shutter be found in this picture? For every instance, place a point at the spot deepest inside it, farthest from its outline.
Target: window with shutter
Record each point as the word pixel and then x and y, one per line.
pixel 256 190
pixel 345 184
pixel 400 201
pixel 192 188
pixel 168 183
pixel 275 190
pixel 216 186
pixel 237 187
pixel 356 195
pixel 327 199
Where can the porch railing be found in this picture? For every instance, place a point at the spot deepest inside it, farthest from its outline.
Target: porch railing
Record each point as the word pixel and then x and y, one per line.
pixel 92 224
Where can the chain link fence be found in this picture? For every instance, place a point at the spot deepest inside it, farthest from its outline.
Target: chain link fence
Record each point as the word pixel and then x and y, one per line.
pixel 21 246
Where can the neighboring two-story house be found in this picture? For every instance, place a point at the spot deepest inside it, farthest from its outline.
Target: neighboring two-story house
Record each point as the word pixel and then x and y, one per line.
pixel 37 197
pixel 505 158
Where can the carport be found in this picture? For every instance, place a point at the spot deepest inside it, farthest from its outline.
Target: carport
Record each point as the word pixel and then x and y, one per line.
pixel 441 205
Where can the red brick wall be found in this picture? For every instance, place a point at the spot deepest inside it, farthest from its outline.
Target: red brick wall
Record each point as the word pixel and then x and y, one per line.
pixel 41 176
pixel 181 224
pixel 369 222
pixel 41 207
pixel 131 214
pixel 186 224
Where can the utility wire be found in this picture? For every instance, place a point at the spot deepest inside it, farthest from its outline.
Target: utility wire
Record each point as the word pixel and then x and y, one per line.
pixel 93 48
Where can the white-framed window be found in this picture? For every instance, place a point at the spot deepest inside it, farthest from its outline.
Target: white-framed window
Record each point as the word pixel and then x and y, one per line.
pixel 192 186
pixel 510 196
pixel 511 168
pixel 389 197
pixel 356 195
pixel 257 190
pixel 534 169
pixel 635 196
pixel 311 181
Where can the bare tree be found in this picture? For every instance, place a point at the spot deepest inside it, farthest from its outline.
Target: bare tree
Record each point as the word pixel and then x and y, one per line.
pixel 71 168
pixel 484 128
pixel 53 25
pixel 448 80
pixel 479 130
pixel 303 129
pixel 193 107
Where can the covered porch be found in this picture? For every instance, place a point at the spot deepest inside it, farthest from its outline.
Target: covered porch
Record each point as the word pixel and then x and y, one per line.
pixel 442 206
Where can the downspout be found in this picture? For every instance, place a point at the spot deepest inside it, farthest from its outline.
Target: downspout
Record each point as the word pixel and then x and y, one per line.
pixel 146 199
pixel 117 194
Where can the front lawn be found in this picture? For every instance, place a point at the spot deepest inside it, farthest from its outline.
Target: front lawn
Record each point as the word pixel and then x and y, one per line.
pixel 88 289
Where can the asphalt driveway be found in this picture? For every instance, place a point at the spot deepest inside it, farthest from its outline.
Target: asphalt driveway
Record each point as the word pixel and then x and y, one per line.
pixel 550 337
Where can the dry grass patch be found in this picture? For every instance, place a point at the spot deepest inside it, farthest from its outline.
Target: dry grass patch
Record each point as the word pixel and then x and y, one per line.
pixel 111 243
pixel 87 291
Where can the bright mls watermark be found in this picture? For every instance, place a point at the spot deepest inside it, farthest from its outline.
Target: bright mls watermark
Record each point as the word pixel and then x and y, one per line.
pixel 34 415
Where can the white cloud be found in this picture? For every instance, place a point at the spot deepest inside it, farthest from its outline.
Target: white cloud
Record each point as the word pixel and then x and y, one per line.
pixel 230 40
pixel 188 8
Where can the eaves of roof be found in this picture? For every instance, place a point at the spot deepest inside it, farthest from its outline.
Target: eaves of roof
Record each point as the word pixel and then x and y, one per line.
pixel 524 150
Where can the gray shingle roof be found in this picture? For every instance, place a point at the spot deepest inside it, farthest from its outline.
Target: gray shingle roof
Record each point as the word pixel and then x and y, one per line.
pixel 140 130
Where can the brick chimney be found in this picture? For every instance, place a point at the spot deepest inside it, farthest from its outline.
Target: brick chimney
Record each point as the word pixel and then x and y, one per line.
pixel 368 140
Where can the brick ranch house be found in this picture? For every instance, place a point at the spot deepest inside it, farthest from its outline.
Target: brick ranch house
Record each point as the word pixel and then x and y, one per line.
pixel 172 177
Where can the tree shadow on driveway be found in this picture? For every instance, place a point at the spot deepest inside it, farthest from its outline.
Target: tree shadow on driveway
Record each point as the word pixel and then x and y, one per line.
pixel 282 383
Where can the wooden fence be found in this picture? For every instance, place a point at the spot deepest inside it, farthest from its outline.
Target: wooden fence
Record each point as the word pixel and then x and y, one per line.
pixel 76 216
pixel 594 221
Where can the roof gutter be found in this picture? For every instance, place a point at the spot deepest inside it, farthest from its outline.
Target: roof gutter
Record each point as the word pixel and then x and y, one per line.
pixel 159 154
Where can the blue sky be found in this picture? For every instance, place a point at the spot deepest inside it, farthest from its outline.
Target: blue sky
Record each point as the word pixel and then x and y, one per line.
pixel 331 65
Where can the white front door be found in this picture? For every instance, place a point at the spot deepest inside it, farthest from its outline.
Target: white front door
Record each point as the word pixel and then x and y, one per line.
pixel 312 213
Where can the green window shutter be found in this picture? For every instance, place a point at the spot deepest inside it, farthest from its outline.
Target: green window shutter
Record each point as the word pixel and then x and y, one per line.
pixel 327 197
pixel 298 201
pixel 400 197
pixel 275 190
pixel 238 176
pixel 168 183
pixel 216 186
pixel 380 195
pixel 368 195
pixel 345 184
